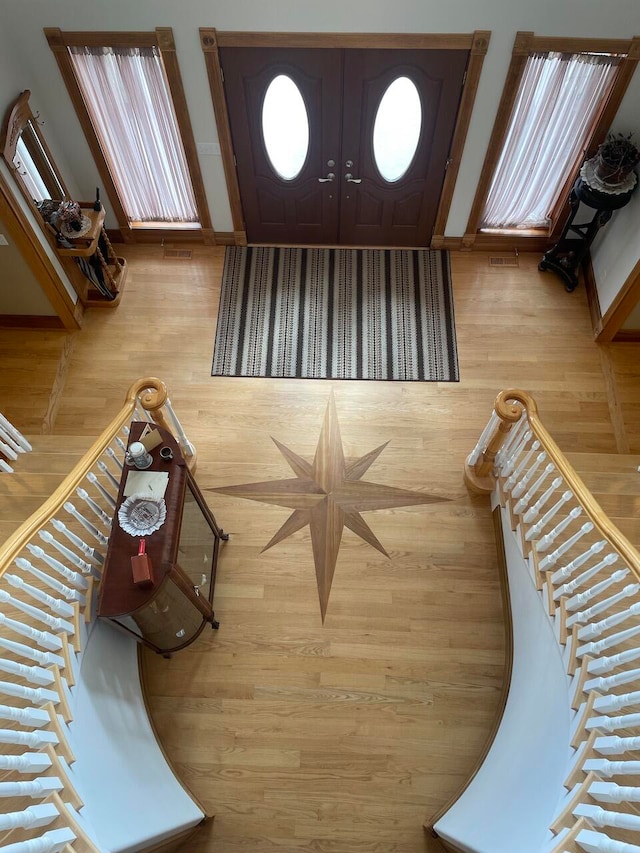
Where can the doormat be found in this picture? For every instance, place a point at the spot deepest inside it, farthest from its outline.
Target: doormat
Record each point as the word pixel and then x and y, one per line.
pixel 336 314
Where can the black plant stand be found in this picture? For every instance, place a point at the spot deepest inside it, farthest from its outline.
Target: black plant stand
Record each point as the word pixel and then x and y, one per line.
pixel 572 247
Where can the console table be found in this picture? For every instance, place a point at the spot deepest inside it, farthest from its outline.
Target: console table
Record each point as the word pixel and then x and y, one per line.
pixel 170 613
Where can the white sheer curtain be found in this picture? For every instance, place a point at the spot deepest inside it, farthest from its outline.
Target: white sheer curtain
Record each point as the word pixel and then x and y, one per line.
pixel 557 101
pixel 127 96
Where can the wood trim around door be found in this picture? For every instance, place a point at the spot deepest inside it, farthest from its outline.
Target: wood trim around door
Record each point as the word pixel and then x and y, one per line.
pixel 209 44
pixel 211 40
pixel 469 90
pixel 621 307
pixel 526 43
pixel 162 38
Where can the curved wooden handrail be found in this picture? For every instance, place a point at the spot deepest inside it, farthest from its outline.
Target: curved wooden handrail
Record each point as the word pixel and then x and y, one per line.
pixel 571 478
pixel 155 397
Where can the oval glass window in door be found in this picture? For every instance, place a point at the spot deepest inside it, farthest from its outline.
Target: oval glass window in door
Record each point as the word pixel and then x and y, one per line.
pixel 396 129
pixel 285 127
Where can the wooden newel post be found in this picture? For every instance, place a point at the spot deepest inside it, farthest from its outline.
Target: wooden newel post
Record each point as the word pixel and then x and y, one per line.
pixel 478 470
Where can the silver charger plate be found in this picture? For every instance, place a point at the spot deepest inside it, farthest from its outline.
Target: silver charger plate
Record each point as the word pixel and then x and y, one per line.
pixel 141 515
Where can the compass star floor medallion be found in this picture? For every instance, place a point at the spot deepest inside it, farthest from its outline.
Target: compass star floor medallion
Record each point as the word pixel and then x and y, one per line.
pixel 328 494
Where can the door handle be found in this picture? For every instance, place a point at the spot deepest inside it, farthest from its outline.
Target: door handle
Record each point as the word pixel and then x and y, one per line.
pixel 351 180
pixel 326 180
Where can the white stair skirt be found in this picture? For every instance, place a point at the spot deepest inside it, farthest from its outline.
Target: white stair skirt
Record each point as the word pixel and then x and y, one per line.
pixel 511 801
pixel 131 796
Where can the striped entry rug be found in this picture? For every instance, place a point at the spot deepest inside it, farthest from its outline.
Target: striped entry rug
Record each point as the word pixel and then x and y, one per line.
pixel 336 314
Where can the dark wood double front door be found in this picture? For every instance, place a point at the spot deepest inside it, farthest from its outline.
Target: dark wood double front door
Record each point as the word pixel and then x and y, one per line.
pixel 340 194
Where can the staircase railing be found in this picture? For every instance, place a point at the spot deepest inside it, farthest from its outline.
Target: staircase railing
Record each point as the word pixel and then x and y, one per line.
pixel 587 574
pixel 49 572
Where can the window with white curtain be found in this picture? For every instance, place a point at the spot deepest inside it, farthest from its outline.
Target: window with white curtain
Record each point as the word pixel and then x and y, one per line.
pixel 127 96
pixel 558 102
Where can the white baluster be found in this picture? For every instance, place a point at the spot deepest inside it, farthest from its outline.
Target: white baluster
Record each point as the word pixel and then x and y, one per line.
pixel 532 514
pixel 595 842
pixel 539 526
pixel 615 745
pixel 113 455
pixel 561 550
pixel 547 541
pixel 524 482
pixel 33 817
pixel 33 717
pixel 78 562
pixel 606 664
pixel 36 695
pixel 612 724
pixel 567 571
pixel 609 792
pixel 513 479
pixel 87 550
pixel 56 604
pixel 513 458
pixel 5 467
pixel 602 817
pixel 606 768
pixel 140 414
pixel 28 762
pixel 7 438
pixel 52 583
pixel 35 740
pixel 91 528
pixel 588 614
pixel 582 598
pixel 102 516
pixel 109 498
pixel 596 647
pixel 185 445
pixel 523 503
pixel 513 437
pixel 8 451
pixel 615 703
pixel 15 433
pixel 481 446
pixel 603 684
pixel 597 628
pixel 32 674
pixel 109 475
pixel 42 638
pixel 53 841
pixel 43 658
pixel 121 443
pixel 52 622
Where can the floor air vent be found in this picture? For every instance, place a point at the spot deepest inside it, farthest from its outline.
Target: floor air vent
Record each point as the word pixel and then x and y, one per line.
pixel 178 254
pixel 503 261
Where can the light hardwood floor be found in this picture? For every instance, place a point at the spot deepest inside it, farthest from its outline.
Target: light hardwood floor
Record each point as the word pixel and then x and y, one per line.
pixel 342 737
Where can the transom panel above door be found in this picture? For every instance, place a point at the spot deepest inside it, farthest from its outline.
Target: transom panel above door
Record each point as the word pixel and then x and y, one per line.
pixel 341 146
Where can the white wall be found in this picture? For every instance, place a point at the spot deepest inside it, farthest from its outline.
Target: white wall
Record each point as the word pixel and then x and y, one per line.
pixel 20 293
pixel 15 77
pixel 24 23
pixel 616 249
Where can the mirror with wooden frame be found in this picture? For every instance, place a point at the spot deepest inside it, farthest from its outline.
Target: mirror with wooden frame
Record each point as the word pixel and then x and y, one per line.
pixel 26 153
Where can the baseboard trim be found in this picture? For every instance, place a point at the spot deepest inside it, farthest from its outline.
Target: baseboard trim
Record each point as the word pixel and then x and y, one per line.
pixel 627 336
pixel 30 321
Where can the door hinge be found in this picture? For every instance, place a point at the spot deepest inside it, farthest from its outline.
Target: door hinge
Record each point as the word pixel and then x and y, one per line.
pixel 448 163
pixel 464 78
pixel 235 162
pixel 222 73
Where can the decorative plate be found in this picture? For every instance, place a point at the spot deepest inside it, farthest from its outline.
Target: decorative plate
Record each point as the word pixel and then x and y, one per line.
pixel 141 515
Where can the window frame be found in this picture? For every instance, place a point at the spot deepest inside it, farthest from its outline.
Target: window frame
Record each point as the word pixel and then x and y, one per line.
pixel 161 38
pixel 525 44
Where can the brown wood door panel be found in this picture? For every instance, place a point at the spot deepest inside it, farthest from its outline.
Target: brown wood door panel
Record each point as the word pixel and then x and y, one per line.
pixel 301 210
pixel 342 90
pixel 401 213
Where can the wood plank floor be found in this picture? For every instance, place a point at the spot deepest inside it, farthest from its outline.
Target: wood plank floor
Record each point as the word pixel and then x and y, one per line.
pixel 345 736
